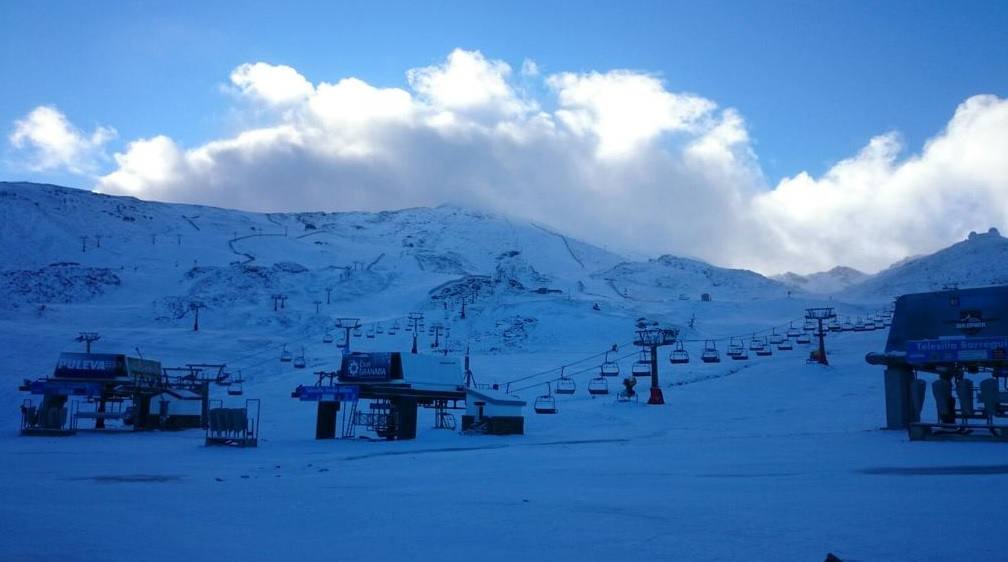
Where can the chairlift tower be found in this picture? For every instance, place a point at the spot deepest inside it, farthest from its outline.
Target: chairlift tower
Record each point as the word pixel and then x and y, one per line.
pixel 317 303
pixel 195 307
pixel 87 338
pixel 437 328
pixel 653 338
pixel 415 320
pixel 347 324
pixel 819 315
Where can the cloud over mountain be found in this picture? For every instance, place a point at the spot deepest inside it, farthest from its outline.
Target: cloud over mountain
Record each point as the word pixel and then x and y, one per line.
pixel 613 157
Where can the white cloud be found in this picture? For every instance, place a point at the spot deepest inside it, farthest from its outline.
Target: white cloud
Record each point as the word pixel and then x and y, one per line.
pixel 468 82
pixel 529 68
pixel 50 142
pixel 618 159
pixel 624 110
pixel 875 208
pixel 273 84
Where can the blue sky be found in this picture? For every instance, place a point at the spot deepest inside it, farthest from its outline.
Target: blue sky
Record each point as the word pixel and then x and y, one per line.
pixel 814 82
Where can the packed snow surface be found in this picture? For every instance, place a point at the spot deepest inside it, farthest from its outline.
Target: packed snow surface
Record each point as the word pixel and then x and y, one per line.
pixel 765 459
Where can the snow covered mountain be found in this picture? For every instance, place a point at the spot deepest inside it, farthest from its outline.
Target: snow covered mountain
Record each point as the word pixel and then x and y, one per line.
pixel 670 277
pixel 823 282
pixel 981 259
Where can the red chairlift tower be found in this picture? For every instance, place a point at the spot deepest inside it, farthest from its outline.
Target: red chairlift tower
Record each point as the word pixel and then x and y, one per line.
pixel 819 315
pixel 653 338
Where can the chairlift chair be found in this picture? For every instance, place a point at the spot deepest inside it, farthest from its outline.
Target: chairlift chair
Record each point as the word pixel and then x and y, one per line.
pixel 710 353
pixel 835 326
pixel 609 368
pixel 859 326
pixel 793 332
pixel 775 338
pixel 545 404
pixel 679 355
pixel 357 332
pixel 764 350
pixel 804 338
pixel 810 326
pixel 642 366
pixel 565 384
pixel 785 345
pixel 598 386
pixel 370 333
pixel 327 338
pixel 755 344
pixel 869 325
pixel 285 355
pixel 299 361
pixel 235 389
pixel 379 329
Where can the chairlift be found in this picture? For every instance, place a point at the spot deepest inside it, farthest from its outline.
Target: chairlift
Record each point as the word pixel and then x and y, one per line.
pixel 755 344
pixel 859 326
pixel 764 350
pixel 642 366
pixel 785 345
pixel 299 361
pixel 775 338
pixel 710 353
pixel 565 384
pixel 379 329
pixel 598 386
pixel 869 326
pixel 804 339
pixel 793 332
pixel 810 326
pixel 234 389
pixel 609 368
pixel 679 355
pixel 286 356
pixel 847 326
pixel 357 332
pixel 545 404
pixel 835 325
pixel 327 338
pixel 741 354
pixel 370 333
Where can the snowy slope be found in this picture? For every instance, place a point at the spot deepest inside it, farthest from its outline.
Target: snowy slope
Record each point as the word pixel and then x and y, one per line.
pixel 981 259
pixel 769 458
pixel 823 282
pixel 670 277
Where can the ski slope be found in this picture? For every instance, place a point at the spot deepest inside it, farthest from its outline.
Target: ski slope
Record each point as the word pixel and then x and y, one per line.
pixel 766 459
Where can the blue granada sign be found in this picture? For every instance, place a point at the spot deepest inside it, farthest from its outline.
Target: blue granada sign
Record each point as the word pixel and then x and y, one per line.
pixel 366 367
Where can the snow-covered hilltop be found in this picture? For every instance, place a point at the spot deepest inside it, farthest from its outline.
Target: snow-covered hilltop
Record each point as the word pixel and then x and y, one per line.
pixel 981 259
pixel 64 245
pixel 823 282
